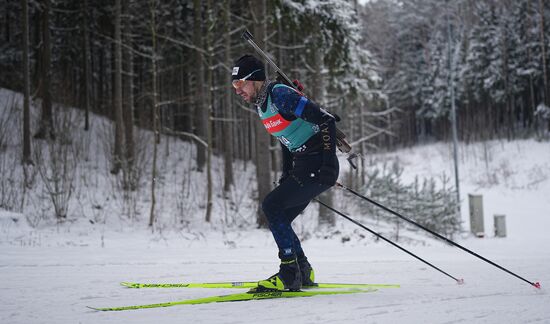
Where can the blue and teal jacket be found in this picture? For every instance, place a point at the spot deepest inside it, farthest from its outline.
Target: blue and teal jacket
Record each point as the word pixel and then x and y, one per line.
pixel 281 115
pixel 299 124
pixel 284 116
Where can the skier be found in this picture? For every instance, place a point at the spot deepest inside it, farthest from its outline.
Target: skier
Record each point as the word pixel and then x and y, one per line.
pixel 307 135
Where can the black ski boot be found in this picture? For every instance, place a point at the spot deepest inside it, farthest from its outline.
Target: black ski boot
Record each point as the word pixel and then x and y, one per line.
pixel 307 273
pixel 288 278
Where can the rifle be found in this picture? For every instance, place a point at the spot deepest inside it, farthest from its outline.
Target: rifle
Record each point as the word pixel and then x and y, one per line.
pixel 341 143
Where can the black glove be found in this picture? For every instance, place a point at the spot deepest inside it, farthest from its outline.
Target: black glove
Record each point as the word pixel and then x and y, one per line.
pixel 288 163
pixel 283 177
pixel 328 175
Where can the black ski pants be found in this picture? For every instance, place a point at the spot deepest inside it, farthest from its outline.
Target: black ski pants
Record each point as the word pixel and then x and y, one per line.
pixel 282 205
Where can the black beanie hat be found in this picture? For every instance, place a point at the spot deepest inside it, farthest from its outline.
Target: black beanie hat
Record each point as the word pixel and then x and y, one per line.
pixel 248 65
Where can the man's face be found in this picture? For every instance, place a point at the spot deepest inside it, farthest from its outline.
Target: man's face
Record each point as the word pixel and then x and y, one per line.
pixel 246 89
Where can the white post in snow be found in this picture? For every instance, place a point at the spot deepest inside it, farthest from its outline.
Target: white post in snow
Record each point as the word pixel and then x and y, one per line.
pixel 476 215
pixel 500 225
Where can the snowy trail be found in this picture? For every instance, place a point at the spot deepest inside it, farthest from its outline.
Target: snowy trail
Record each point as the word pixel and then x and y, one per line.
pixel 54 284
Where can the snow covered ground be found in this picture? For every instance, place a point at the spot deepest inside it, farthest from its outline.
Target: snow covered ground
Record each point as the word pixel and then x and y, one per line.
pixel 51 273
pixel 53 284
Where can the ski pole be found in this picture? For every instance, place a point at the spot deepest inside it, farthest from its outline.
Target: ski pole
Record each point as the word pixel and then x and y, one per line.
pixel 458 281
pixel 534 284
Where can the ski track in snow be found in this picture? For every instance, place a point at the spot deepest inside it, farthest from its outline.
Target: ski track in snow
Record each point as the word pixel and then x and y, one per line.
pixel 54 285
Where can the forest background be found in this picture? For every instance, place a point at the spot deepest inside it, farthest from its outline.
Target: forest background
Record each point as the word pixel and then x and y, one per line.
pixel 158 72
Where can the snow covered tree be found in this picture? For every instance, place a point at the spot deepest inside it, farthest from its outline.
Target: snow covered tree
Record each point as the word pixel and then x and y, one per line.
pixel 499 64
pixel 432 204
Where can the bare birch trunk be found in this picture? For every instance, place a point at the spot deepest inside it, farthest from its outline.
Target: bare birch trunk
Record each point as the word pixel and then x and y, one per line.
pixel 26 89
pixel 152 217
pixel 228 107
pixel 263 156
pixel 119 124
pixel 543 52
pixel 200 111
pixel 208 113
pixel 86 64
pixel 128 105
pixel 46 128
